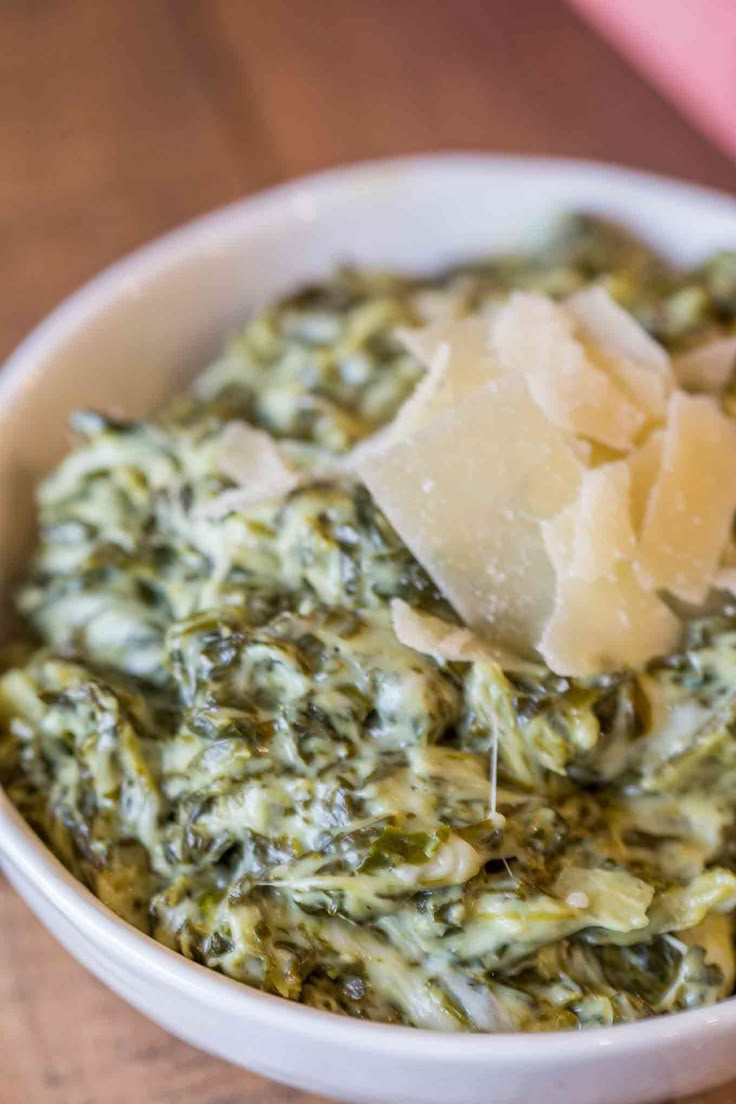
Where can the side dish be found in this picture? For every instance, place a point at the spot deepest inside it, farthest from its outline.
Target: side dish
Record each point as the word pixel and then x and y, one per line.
pixel 392 668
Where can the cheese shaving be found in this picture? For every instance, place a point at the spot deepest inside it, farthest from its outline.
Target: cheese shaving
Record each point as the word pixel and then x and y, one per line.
pixel 609 623
pixel 457 361
pixel 535 338
pixel 250 458
pixel 558 534
pixel 432 636
pixel 468 338
pixel 604 531
pixel 637 363
pixel 467 493
pixel 614 330
pixel 503 475
pixel 431 394
pixel 469 363
pixel 429 397
pixel 644 464
pixel 708 368
pixel 646 389
pixel 691 505
pixel 595 532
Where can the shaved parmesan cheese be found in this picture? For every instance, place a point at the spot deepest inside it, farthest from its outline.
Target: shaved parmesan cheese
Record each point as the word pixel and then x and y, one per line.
pixel 457 360
pixel 535 338
pixel 595 532
pixel 648 390
pixel 644 464
pixel 468 338
pixel 690 509
pixel 558 534
pixel 503 475
pixel 582 449
pixel 470 363
pixel 251 460
pixel 709 367
pixel 601 625
pixel 604 531
pixel 467 493
pixel 429 395
pixel 615 331
pixel 433 636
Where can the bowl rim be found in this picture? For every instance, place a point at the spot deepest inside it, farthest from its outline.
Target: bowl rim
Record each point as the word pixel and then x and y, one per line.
pixel 25 852
pixel 150 260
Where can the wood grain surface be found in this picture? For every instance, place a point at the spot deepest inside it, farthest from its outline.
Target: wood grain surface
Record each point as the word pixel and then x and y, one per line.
pixel 122 118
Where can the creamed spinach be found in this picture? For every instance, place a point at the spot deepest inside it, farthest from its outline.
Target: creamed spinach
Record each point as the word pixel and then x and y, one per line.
pixel 212 724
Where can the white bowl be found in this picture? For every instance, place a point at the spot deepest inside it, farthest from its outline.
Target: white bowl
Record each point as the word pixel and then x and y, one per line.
pixel 124 342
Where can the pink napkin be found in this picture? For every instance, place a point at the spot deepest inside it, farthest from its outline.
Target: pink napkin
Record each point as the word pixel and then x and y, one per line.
pixel 686 47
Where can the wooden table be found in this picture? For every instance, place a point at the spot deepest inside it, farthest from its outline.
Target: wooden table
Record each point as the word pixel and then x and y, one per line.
pixel 122 118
